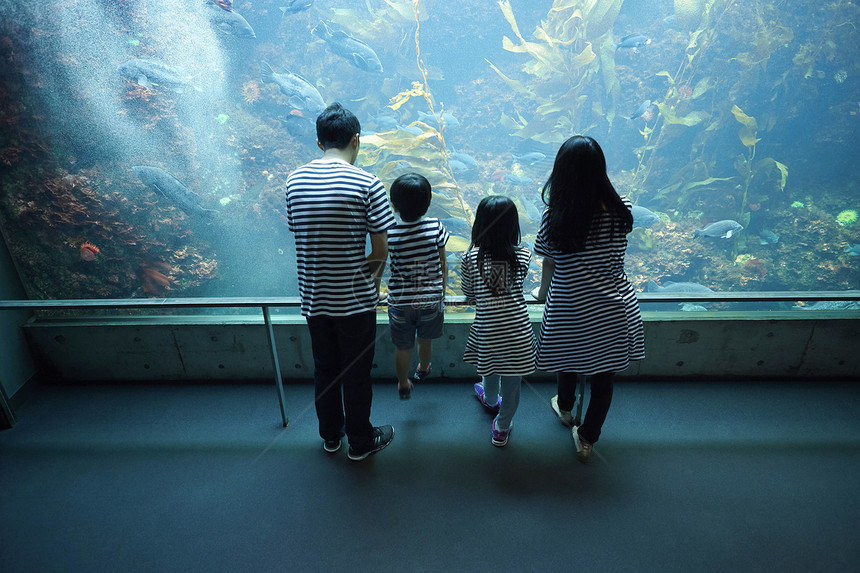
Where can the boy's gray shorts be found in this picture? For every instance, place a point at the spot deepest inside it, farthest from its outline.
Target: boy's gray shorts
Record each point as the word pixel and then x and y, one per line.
pixel 405 322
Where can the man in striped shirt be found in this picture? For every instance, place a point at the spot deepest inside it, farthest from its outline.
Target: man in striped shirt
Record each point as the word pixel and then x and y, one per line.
pixel 332 207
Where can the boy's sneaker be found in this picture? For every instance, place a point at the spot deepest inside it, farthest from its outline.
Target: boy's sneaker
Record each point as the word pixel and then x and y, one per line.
pixel 479 393
pixel 404 393
pixel 565 417
pixel 420 375
pixel 382 436
pixel 331 446
pixel 500 437
pixel 583 448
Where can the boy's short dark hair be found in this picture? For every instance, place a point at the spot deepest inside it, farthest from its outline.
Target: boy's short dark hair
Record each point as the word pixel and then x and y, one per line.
pixel 410 195
pixel 336 126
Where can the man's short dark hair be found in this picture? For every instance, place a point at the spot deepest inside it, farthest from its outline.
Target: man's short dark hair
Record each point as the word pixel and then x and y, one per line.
pixel 336 126
pixel 410 195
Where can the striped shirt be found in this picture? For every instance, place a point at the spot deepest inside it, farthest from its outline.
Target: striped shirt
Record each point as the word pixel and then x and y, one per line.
pixel 416 269
pixel 591 322
pixel 331 207
pixel 501 339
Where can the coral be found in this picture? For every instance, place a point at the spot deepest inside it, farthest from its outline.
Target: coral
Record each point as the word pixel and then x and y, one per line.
pixel 251 92
pixel 847 217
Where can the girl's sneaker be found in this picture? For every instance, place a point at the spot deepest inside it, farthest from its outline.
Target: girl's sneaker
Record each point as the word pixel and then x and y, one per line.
pixel 500 437
pixel 479 393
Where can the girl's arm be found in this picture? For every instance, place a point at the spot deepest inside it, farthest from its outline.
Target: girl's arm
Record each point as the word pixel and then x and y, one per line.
pixel 547 271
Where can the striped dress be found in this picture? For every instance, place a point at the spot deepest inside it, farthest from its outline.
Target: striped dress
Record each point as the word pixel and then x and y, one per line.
pixel 591 322
pixel 501 340
pixel 331 207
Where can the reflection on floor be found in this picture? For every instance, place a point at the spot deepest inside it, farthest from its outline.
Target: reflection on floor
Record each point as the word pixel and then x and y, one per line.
pixel 687 477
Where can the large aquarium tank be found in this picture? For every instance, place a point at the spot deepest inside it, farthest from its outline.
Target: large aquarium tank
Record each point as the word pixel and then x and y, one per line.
pixel 145 144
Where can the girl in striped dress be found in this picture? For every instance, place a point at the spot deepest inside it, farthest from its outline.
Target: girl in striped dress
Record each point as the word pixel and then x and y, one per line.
pixel 591 324
pixel 501 342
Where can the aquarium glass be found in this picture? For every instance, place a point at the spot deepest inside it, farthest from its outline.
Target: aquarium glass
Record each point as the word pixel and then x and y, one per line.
pixel 145 143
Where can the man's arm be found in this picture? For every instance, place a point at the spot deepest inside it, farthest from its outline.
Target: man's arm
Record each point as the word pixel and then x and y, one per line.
pixel 378 255
pixel 444 260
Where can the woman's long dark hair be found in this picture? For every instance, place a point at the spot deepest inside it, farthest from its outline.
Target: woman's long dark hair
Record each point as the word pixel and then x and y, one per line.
pixel 578 190
pixel 495 232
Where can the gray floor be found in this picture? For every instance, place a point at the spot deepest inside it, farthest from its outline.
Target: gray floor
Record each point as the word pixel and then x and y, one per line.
pixel 687 477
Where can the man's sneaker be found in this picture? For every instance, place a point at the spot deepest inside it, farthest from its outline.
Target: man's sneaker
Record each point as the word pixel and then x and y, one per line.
pixel 479 393
pixel 331 446
pixel 565 417
pixel 500 437
pixel 583 448
pixel 419 375
pixel 382 436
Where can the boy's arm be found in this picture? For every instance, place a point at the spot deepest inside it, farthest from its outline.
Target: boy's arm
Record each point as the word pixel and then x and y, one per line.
pixel 377 256
pixel 444 261
pixel 547 271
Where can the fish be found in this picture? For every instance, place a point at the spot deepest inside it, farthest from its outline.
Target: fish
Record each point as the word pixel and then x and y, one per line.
pixel 457 166
pixel 448 119
pixel 299 126
pixel 301 93
pixel 465 159
pixel 295 6
pixel 643 217
pixel 721 229
pixel 690 307
pixel 352 49
pixel 642 109
pixel 853 250
pixel 632 42
pixel 514 179
pixel 767 237
pixel 149 72
pixel 230 22
pixel 169 186
pixel 831 305
pixel 530 158
pixel 384 122
pixel 413 129
pixel 669 286
pixel 457 226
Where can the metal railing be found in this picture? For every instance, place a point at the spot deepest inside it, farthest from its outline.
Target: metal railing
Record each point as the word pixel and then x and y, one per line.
pixel 266 303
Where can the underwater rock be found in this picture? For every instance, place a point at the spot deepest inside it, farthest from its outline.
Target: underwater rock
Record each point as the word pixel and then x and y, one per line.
pixel 688 13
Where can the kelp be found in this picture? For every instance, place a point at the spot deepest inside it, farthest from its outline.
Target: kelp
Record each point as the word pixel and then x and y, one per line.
pixel 573 51
pixel 427 153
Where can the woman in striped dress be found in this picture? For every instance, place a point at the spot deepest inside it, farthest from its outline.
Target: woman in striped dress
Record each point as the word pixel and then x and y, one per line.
pixel 501 342
pixel 591 324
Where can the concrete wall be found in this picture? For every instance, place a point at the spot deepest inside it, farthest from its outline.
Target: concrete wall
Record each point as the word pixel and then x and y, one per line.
pixel 16 367
pixel 679 345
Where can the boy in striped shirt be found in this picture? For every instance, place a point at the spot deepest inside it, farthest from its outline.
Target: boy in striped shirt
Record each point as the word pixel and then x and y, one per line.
pixel 332 207
pixel 419 270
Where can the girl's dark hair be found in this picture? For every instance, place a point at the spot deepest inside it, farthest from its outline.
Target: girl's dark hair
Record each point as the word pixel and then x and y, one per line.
pixel 495 232
pixel 411 194
pixel 336 126
pixel 577 191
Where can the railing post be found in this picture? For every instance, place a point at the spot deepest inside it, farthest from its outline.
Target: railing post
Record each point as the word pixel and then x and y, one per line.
pixel 279 383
